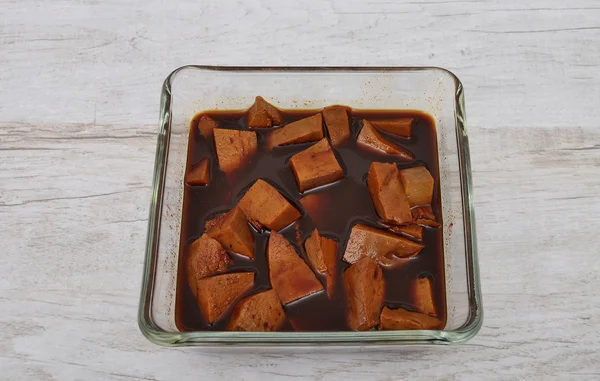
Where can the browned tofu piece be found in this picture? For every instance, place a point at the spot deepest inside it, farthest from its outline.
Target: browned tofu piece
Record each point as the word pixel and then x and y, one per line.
pixel 217 293
pixel 209 224
pixel 367 241
pixel 206 256
pixel 322 255
pixel 233 232
pixel 422 296
pixel 260 312
pixel 399 126
pixel 314 252
pixel 388 194
pixel 301 131
pixel 206 125
pixel 234 148
pixel 264 206
pixel 369 138
pixel 413 231
pixel 401 319
pixel 199 174
pixel 336 120
pixel 365 291
pixel 316 166
pixel 418 185
pixel 423 215
pixel 262 114
pixel 290 276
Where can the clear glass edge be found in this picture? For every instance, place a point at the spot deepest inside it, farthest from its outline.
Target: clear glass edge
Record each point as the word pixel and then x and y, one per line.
pixel 160 337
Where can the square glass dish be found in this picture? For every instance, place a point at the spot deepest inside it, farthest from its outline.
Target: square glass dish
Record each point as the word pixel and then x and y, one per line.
pixel 191 89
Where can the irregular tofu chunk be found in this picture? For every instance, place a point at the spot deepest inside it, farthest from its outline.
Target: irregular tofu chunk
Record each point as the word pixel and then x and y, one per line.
pixel 199 174
pixel 365 290
pixel 369 138
pixel 400 126
pixel 233 232
pixel 413 231
pixel 206 256
pixel 290 276
pixel 388 194
pixel 217 293
pixel 418 185
pixel 401 319
pixel 234 148
pixel 367 241
pixel 422 296
pixel 316 166
pixel 262 114
pixel 336 120
pixel 206 125
pixel 302 131
pixel 423 215
pixel 260 312
pixel 264 206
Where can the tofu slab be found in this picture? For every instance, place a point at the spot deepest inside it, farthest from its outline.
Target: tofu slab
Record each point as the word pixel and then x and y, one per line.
pixel 379 244
pixel 338 126
pixel 264 206
pixel 418 185
pixel 401 319
pixel 316 166
pixel 262 114
pixel 199 174
pixel 365 291
pixel 387 194
pixel 217 293
pixel 290 276
pixel 369 138
pixel 422 296
pixel 413 231
pixel 301 131
pixel 322 255
pixel 206 256
pixel 234 148
pixel 233 233
pixel 260 312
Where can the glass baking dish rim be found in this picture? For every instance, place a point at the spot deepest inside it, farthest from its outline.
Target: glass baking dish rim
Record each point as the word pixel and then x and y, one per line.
pixel 460 335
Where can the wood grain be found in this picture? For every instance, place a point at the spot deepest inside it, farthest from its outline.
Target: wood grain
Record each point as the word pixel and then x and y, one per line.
pixel 79 86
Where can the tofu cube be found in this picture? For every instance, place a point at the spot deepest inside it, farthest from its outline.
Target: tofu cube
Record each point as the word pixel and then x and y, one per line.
pixel 262 114
pixel 260 312
pixel 387 193
pixel 316 166
pixel 365 291
pixel 206 125
pixel 401 319
pixel 234 148
pixel 423 215
pixel 399 126
pixel 379 244
pixel 264 206
pixel 418 185
pixel 338 126
pixel 199 174
pixel 302 131
pixel 370 139
pixel 422 296
pixel 206 256
pixel 290 276
pixel 217 293
pixel 322 255
pixel 233 233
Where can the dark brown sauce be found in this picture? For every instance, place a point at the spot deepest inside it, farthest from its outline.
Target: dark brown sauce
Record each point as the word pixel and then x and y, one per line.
pixel 347 202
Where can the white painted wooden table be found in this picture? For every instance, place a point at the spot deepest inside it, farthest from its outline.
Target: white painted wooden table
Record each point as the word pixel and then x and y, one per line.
pixel 79 88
